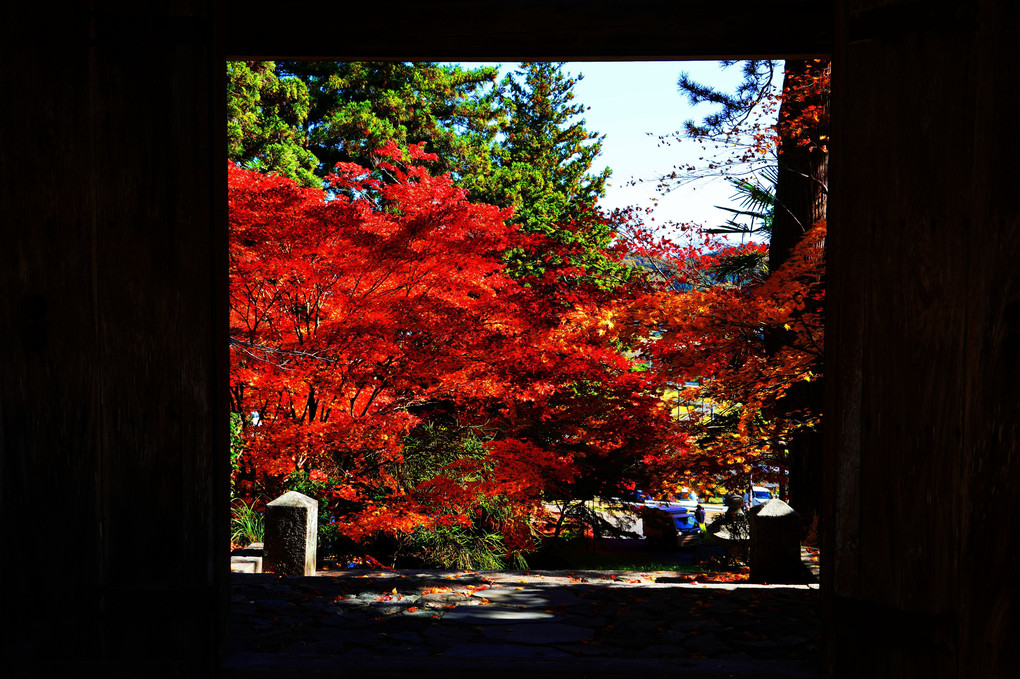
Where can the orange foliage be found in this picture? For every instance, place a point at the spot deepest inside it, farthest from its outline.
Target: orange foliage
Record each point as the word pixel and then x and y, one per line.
pixel 742 348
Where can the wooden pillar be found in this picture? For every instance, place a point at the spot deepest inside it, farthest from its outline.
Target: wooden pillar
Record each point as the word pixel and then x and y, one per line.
pixel 923 334
pixel 113 340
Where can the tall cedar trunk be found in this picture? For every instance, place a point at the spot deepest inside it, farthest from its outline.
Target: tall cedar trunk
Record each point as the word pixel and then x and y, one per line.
pixel 801 201
pixel 801 189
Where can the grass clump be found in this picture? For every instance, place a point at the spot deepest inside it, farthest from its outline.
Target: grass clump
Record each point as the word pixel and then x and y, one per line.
pixel 246 524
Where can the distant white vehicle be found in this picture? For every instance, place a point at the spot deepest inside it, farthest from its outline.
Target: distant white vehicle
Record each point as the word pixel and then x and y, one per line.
pixel 759 495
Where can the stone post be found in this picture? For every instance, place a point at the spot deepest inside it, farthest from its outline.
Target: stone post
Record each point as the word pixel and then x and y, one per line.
pixel 775 544
pixel 292 523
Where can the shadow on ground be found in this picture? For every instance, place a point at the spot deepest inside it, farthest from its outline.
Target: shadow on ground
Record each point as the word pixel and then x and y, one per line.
pixel 563 623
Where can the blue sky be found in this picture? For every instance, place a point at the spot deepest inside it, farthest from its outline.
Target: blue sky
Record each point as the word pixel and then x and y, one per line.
pixel 632 103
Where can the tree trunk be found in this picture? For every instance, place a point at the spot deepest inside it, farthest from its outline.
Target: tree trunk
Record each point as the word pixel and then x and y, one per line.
pixel 802 185
pixel 801 201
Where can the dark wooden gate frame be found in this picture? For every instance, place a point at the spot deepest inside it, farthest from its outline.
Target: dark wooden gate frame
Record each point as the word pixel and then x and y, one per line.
pixel 113 498
pixel 537 30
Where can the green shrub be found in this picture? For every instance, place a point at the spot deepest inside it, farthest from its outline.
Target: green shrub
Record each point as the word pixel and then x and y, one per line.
pixel 246 524
pixel 236 448
pixel 457 547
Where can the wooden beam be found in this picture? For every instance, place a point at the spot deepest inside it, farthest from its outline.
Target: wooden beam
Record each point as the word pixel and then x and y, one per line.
pixel 540 30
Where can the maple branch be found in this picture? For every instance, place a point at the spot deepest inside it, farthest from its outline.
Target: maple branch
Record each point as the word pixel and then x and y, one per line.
pixel 266 349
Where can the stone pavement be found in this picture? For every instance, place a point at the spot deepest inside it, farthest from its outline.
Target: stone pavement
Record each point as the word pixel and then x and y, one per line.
pixel 513 623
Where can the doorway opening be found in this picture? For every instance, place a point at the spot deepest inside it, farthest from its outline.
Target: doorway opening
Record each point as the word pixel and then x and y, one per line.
pixel 319 304
pixel 464 450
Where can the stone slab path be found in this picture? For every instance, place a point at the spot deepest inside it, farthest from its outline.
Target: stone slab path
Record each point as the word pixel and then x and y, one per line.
pixel 520 624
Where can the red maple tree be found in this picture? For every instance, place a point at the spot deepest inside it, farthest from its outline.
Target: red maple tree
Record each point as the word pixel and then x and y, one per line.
pixel 360 315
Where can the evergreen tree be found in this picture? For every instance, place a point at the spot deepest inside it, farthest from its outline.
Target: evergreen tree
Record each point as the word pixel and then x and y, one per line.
pixel 734 107
pixel 265 118
pixel 356 107
pixel 544 172
pixel 298 119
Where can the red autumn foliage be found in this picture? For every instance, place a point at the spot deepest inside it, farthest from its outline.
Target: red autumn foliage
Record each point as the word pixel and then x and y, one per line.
pixel 356 316
pixel 359 314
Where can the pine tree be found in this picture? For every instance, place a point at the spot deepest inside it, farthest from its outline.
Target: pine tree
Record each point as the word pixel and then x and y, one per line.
pixel 543 171
pixel 298 119
pixel 357 107
pixel 266 114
